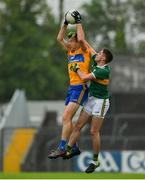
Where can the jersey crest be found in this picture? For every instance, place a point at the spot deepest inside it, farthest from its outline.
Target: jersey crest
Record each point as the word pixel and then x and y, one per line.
pixel 76 58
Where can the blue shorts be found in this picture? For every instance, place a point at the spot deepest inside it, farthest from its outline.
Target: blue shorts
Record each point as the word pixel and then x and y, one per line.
pixel 77 94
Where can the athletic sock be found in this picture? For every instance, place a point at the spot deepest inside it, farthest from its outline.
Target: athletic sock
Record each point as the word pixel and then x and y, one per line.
pixel 75 147
pixel 62 145
pixel 95 157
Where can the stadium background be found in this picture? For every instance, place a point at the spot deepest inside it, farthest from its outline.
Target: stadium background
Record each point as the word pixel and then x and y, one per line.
pixel 33 81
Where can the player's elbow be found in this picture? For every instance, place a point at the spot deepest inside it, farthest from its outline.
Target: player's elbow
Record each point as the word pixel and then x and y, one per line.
pixel 59 39
pixel 81 40
pixel 82 43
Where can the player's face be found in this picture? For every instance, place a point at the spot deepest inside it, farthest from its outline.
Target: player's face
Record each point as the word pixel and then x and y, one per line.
pixel 100 56
pixel 73 44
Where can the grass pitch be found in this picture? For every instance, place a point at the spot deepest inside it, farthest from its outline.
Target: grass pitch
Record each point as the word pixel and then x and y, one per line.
pixel 74 175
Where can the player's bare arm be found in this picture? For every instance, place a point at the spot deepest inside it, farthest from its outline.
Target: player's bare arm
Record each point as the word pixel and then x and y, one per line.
pixel 60 36
pixel 82 75
pixel 81 37
pixel 85 77
pixel 79 29
pixel 93 52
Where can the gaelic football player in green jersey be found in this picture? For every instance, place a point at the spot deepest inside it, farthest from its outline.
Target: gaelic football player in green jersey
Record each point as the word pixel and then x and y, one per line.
pixel 96 106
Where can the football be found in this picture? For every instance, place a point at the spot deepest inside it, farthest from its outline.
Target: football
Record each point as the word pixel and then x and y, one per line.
pixel 70 19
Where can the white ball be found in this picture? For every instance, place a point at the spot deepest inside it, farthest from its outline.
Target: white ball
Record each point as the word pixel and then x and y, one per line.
pixel 70 19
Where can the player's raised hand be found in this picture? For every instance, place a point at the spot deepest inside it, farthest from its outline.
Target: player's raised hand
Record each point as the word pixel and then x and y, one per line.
pixel 77 16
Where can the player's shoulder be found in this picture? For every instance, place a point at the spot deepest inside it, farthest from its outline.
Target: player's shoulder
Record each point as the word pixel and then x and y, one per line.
pixel 107 68
pixel 102 69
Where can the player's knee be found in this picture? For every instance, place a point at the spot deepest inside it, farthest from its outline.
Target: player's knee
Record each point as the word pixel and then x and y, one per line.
pixel 93 132
pixel 65 118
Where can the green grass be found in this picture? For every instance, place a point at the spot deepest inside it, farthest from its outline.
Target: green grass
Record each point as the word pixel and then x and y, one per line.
pixel 70 176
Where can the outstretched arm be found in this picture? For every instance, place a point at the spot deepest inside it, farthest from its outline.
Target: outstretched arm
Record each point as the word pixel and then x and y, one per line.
pixel 79 29
pixel 60 36
pixel 81 36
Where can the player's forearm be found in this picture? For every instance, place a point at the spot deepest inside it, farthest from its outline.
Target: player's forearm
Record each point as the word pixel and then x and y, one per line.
pixel 61 33
pixel 82 75
pixel 81 36
pixel 91 48
pixel 80 33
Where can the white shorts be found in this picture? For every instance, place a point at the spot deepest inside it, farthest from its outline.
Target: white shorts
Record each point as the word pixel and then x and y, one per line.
pixel 97 107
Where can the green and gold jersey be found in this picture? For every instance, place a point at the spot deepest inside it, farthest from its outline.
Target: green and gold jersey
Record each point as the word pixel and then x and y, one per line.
pixel 99 86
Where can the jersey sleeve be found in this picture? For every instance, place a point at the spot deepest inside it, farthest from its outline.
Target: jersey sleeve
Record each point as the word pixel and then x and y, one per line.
pixel 100 73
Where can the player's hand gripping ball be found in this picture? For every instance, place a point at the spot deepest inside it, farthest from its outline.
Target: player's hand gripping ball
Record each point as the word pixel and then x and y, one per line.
pixel 72 17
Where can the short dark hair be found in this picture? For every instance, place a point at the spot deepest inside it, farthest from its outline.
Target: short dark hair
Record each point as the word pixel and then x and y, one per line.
pixel 108 54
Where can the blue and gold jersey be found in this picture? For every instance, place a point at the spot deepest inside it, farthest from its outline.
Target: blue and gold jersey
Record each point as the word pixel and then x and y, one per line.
pixel 83 60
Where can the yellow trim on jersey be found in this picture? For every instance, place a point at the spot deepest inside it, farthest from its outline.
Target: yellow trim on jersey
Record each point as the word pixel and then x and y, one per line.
pixel 102 81
pixel 81 94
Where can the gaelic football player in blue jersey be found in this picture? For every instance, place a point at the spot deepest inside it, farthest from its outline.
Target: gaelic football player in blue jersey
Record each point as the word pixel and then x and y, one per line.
pixel 77 51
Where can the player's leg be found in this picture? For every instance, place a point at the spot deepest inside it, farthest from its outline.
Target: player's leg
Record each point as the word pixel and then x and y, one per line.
pixel 84 117
pixel 79 95
pixel 95 134
pixel 82 120
pixel 68 114
pixel 76 96
pixel 99 111
pixel 96 124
